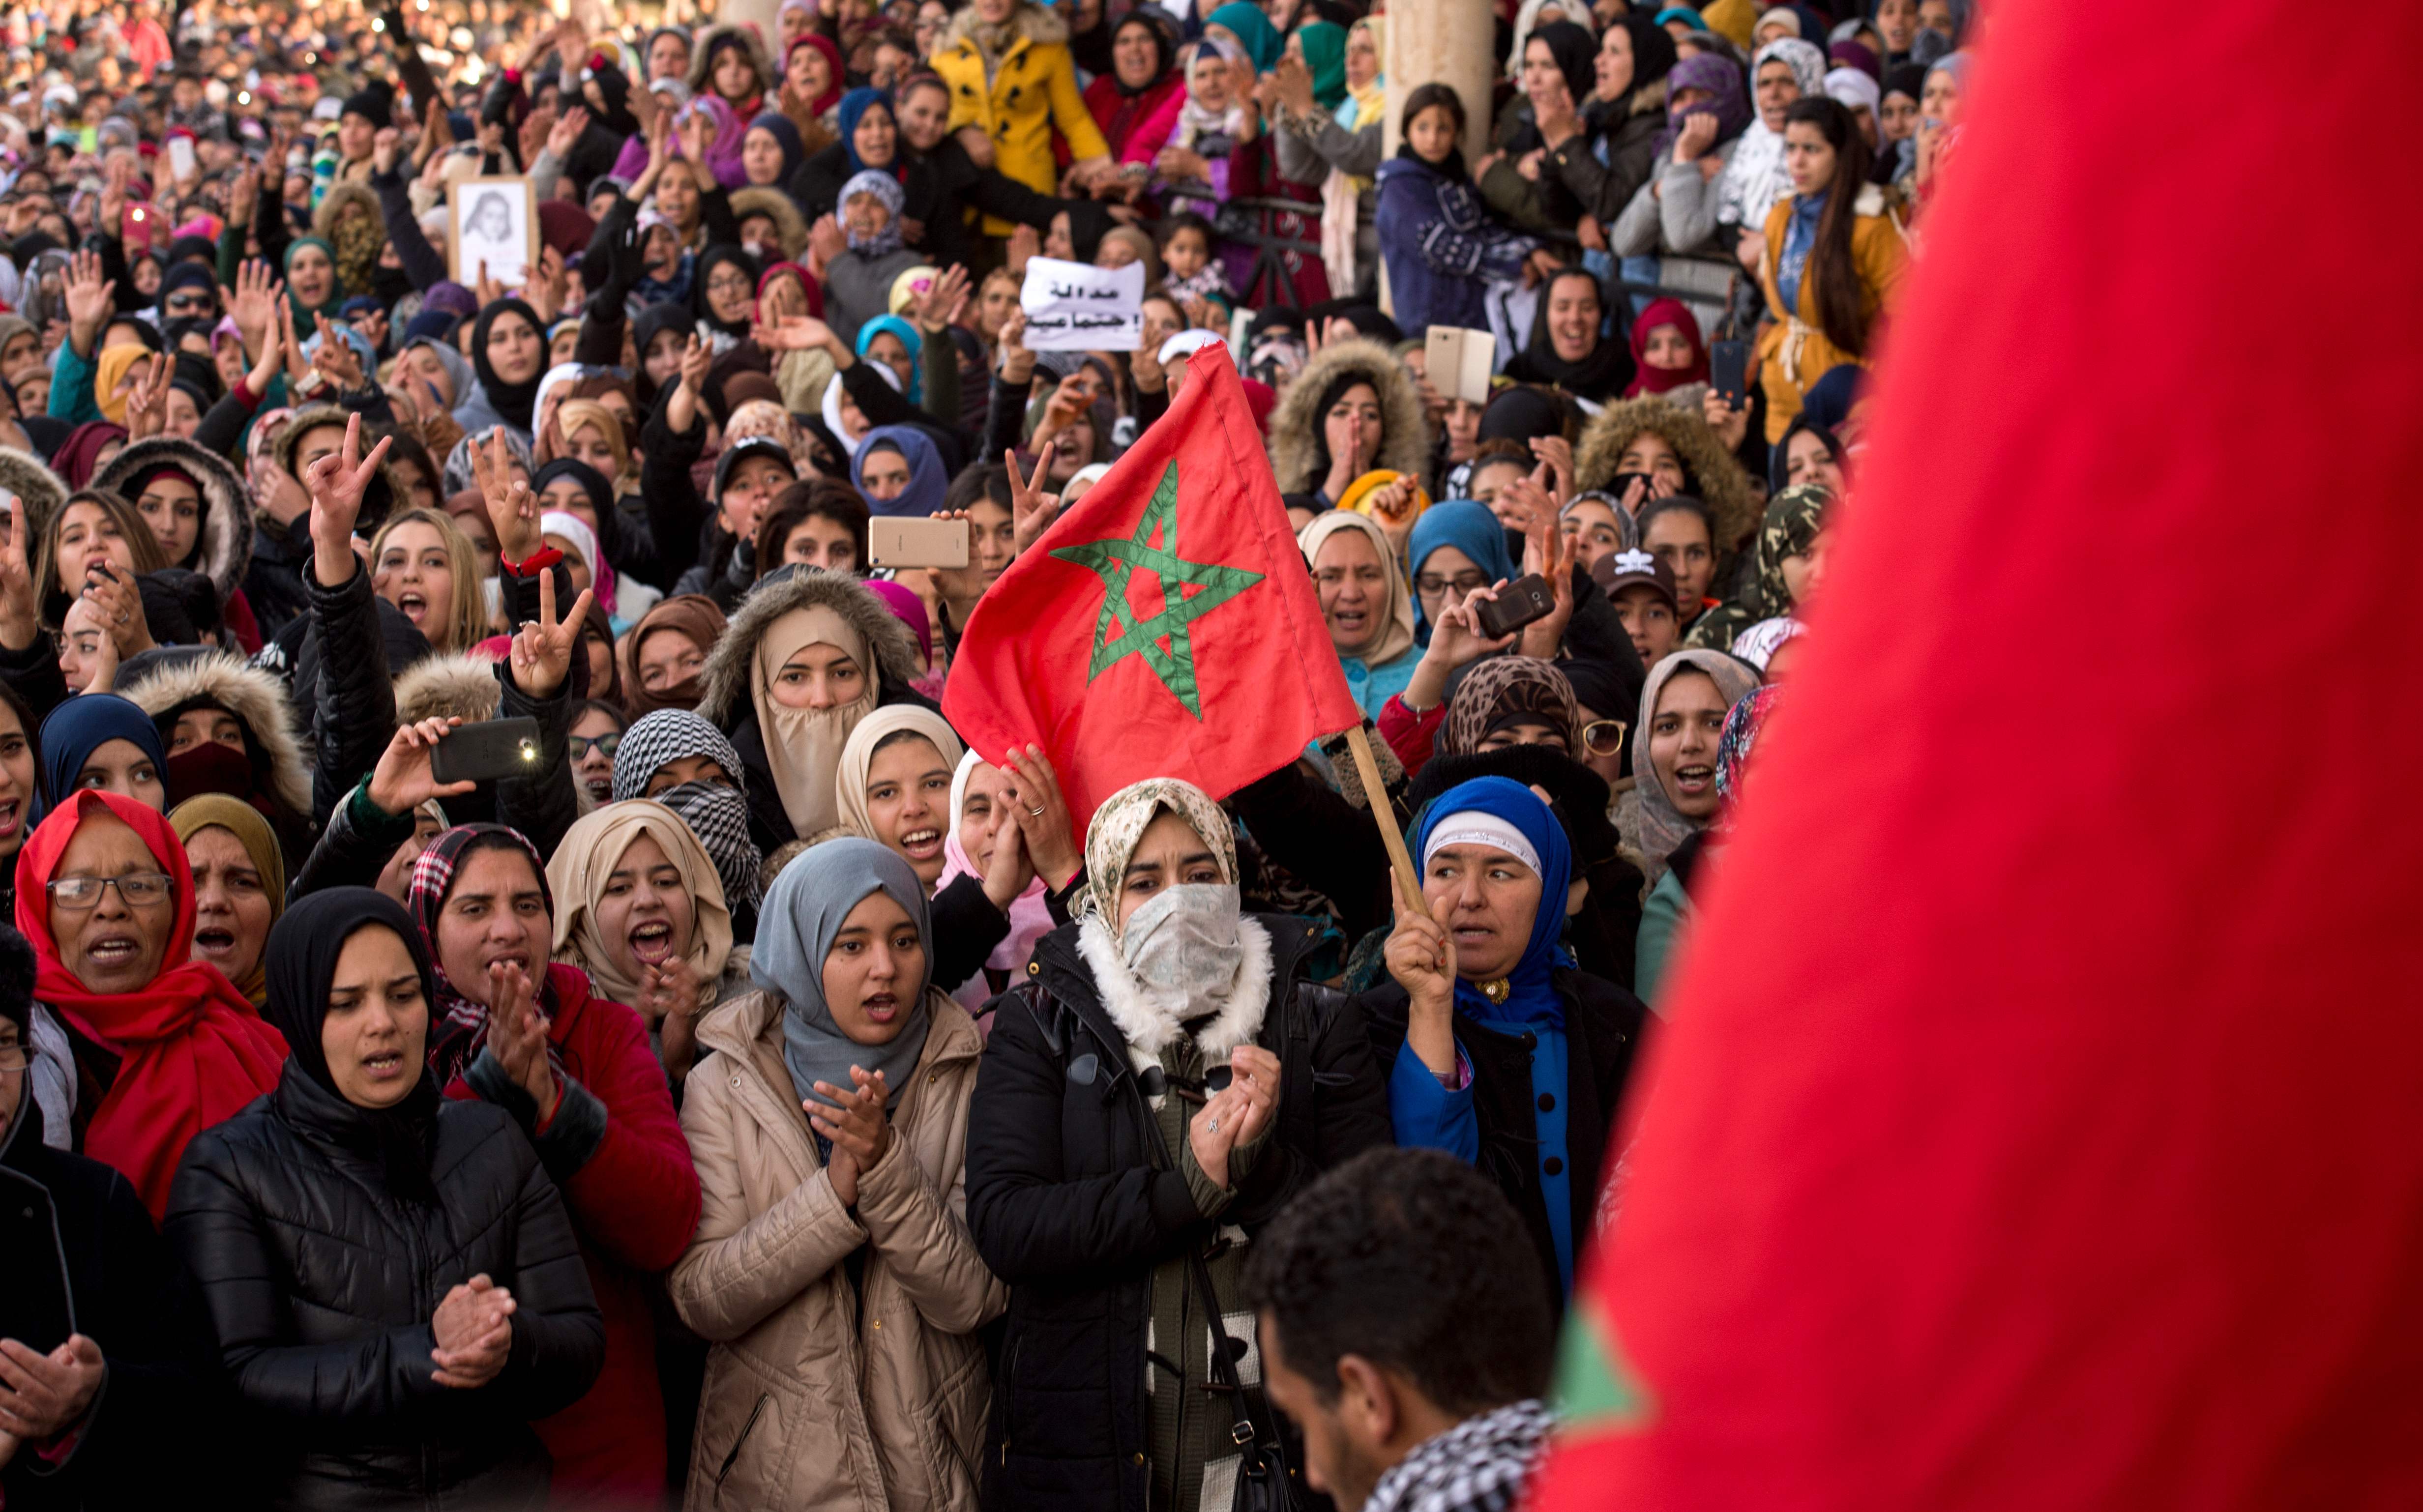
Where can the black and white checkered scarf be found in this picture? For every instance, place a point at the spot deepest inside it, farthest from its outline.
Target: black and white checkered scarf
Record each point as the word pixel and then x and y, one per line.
pixel 1480 1465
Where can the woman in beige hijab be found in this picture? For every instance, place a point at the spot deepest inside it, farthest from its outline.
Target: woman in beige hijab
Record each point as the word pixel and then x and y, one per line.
pixel 895 789
pixel 641 909
pixel 808 657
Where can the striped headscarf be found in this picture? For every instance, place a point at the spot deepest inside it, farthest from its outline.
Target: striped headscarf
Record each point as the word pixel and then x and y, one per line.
pixel 460 1026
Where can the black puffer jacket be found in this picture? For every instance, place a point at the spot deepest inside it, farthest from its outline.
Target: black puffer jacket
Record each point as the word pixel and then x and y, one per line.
pixel 1603 1026
pixel 321 1284
pixel 73 1228
pixel 1064 1204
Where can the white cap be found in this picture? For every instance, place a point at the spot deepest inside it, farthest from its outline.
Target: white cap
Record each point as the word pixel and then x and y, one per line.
pixel 1185 345
pixel 1473 827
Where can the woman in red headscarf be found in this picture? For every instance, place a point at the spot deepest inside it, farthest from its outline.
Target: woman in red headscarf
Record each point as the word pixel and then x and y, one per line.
pixel 1668 355
pixel 145 1046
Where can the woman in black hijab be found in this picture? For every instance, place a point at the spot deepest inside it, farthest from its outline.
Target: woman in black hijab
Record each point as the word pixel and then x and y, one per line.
pixel 375 1397
pixel 724 301
pixel 1570 345
pixel 1557 75
pixel 1604 148
pixel 508 362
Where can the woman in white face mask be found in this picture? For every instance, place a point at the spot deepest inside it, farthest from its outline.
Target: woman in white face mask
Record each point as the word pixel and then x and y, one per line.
pixel 1156 1086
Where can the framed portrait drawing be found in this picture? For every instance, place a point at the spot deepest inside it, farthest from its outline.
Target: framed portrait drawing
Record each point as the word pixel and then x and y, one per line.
pixel 493 221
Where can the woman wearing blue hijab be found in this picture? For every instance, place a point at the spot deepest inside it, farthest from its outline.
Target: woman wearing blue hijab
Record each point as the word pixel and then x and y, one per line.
pixel 1456 546
pixel 870 140
pixel 1497 1050
pixel 899 472
pixel 100 740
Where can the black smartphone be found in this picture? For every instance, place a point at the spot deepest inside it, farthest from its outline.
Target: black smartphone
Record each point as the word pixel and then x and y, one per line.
pixel 487 751
pixel 1519 603
pixel 1729 371
pixel 38 1311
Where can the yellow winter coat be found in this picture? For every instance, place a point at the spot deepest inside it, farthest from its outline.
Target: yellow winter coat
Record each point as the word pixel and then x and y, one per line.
pixel 1033 89
pixel 1794 351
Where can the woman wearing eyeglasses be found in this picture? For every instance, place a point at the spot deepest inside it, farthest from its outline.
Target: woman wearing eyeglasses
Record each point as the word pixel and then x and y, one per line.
pixel 138 1047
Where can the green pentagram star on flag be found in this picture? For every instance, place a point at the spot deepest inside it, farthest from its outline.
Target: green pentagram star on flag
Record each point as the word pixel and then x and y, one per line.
pixel 1116 560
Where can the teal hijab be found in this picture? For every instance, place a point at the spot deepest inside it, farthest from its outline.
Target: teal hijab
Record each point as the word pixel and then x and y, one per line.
pixel 1262 41
pixel 1325 54
pixel 336 299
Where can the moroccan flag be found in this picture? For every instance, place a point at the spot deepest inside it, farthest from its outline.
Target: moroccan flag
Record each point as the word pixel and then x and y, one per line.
pixel 1165 625
pixel 2040 1124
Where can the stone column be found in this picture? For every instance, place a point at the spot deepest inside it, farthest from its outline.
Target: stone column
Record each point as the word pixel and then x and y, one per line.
pixel 1442 41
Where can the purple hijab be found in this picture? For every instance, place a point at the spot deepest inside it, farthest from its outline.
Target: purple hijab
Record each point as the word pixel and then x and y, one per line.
pixel 1723 79
pixel 723 150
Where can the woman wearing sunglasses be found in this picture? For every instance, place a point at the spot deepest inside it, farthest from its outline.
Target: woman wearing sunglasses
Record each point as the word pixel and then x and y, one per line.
pixel 598 728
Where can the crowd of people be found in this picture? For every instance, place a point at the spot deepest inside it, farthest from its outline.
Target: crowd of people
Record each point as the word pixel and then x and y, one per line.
pixel 745 1092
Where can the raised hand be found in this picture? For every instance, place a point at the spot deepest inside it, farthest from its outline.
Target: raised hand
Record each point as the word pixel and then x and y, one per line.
pixel 337 483
pixel 1024 242
pixel 298 366
pixel 402 781
pixel 1031 510
pixel 783 333
pixel 19 616
pixel 385 146
pixel 147 401
pixel 336 359
pixel 1548 551
pixel 1456 635
pixel 90 300
pixel 1041 813
pixel 1421 958
pixel 518 1034
pixel 487 290
pixel 542 286
pixel 857 1129
pixel 566 134
pixel 244 196
pixel 942 300
pixel 826 242
pixel 1256 1071
pixel 1558 453
pixel 697 357
pixel 114 596
pixel 513 509
pixel 543 648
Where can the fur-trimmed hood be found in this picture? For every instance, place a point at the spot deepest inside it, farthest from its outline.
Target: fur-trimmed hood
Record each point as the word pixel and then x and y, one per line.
pixel 256 697
pixel 1037 25
pixel 1721 483
pixel 461 683
pixel 379 500
pixel 1146 1027
pixel 726 698
pixel 332 205
pixel 764 200
pixel 1295 425
pixel 41 490
pixel 703 53
pixel 224 546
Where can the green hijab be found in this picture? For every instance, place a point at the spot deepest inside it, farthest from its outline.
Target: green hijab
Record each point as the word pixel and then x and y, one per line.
pixel 304 329
pixel 1325 54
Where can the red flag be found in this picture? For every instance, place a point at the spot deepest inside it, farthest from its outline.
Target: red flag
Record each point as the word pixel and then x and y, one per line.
pixel 1165 625
pixel 2041 1122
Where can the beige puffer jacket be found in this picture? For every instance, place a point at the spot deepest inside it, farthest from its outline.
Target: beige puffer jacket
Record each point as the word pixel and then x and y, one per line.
pixel 820 1396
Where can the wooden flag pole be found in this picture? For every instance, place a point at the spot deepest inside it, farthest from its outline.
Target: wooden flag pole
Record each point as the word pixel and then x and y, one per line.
pixel 1409 880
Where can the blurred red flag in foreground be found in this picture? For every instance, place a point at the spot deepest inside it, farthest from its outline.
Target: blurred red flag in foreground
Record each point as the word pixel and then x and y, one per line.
pixel 2041 1123
pixel 1165 625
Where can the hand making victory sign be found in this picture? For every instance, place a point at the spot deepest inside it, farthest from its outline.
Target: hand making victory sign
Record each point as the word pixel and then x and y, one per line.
pixel 337 483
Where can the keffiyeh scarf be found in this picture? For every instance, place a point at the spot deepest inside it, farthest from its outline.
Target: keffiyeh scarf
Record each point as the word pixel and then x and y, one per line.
pixel 1480 1465
pixel 460 1029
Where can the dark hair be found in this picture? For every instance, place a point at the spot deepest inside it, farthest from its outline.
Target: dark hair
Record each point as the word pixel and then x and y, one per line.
pixel 586 707
pixel 990 482
pixel 1428 94
pixel 1676 504
pixel 1598 291
pixel 1833 277
pixel 1413 1260
pixel 1500 449
pixel 1186 220
pixel 814 498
